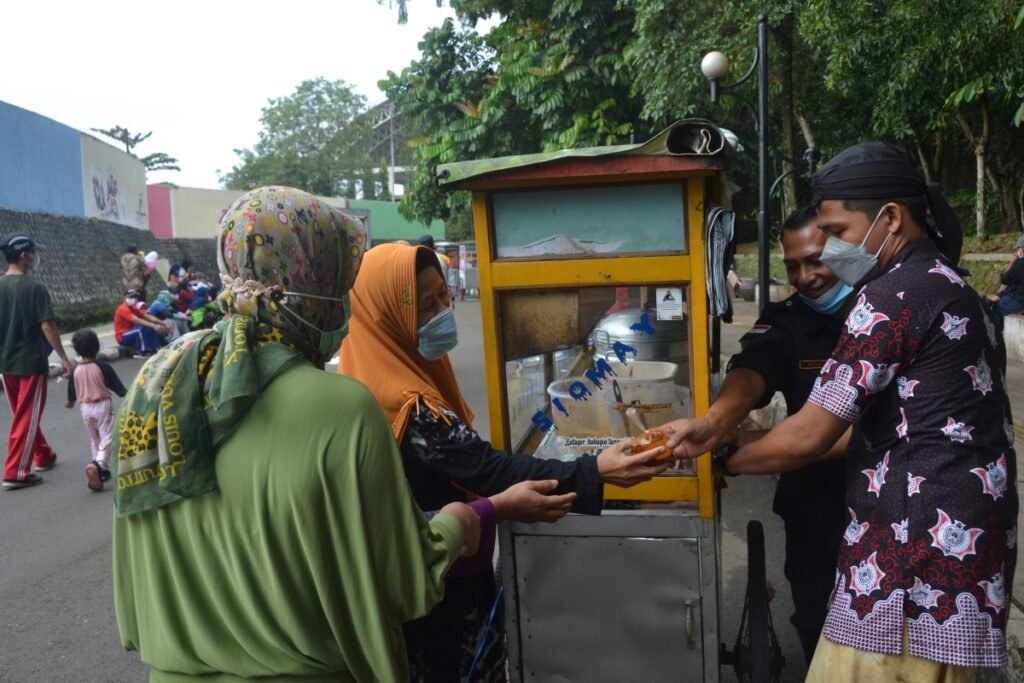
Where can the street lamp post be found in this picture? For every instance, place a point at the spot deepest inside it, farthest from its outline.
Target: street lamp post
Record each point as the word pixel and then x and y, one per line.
pixel 715 66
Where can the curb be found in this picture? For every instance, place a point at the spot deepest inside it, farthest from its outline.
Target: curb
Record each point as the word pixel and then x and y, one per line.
pixel 107 353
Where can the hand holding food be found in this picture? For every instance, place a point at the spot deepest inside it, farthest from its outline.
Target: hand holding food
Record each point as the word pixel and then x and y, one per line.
pixel 623 465
pixel 653 438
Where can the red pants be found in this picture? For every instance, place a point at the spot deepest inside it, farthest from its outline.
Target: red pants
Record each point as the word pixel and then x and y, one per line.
pixel 26 444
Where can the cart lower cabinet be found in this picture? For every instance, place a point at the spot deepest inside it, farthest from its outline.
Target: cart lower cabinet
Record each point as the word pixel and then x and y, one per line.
pixel 627 596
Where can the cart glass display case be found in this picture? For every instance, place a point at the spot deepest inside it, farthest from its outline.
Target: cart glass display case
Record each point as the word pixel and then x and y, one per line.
pixel 595 320
pixel 632 372
pixel 597 220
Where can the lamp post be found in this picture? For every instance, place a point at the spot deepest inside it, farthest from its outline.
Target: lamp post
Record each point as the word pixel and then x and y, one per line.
pixel 715 67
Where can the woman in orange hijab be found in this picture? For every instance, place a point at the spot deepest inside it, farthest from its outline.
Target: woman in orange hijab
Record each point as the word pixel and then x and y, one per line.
pixel 400 332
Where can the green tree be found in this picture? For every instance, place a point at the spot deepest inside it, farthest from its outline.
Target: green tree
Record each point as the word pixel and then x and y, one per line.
pixel 311 139
pixel 403 9
pixel 670 37
pixel 158 161
pixel 351 184
pixel 368 180
pixel 550 75
pixel 930 77
pixel 384 180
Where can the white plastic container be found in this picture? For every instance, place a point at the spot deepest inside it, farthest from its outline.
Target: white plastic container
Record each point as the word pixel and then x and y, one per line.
pixel 578 416
pixel 644 371
pixel 656 404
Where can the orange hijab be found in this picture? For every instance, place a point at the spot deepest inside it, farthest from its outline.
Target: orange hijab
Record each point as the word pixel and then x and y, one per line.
pixel 381 349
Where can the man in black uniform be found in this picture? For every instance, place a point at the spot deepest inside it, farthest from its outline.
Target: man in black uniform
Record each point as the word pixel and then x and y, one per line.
pixel 785 351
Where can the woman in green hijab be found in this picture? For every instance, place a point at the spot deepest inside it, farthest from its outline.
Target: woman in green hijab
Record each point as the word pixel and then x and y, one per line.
pixel 261 532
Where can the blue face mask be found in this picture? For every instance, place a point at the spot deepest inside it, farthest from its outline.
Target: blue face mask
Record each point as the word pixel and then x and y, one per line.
pixel 831 301
pixel 438 336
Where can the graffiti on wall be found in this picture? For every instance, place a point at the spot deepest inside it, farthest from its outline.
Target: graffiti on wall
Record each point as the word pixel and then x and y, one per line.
pixel 110 203
pixel 114 184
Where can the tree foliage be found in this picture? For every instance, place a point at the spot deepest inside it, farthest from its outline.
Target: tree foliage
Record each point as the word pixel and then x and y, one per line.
pixel 312 139
pixel 944 79
pixel 403 8
pixel 934 80
pixel 550 75
pixel 158 161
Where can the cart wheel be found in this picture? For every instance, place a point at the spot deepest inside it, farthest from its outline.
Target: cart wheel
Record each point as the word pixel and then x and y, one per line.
pixel 757 590
pixel 756 656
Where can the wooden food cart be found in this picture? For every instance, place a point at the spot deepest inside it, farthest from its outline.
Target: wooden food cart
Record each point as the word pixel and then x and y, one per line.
pixel 594 301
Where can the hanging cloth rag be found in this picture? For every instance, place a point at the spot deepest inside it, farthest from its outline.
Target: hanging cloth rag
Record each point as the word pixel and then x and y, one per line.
pixel 719 246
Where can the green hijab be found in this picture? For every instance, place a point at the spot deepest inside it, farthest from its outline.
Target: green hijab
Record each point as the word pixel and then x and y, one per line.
pixel 287 260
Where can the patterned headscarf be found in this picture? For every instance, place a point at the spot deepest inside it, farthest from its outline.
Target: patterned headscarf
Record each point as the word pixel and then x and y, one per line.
pixel 277 239
pixel 190 397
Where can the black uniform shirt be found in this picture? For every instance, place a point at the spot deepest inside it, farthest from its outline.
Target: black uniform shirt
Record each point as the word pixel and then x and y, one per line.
pixel 788 346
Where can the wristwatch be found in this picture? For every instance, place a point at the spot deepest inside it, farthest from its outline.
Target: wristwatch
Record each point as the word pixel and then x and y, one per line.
pixel 720 456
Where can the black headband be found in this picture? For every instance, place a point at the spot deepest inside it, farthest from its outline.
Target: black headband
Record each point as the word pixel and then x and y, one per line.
pixel 879 170
pixel 871 170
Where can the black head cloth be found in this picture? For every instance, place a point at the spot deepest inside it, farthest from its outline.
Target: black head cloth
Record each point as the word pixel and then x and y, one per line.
pixel 880 170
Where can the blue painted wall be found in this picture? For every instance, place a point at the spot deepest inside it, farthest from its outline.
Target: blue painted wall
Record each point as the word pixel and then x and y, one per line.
pixel 40 164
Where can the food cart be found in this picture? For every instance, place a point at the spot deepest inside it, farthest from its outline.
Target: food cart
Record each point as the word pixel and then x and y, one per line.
pixel 595 317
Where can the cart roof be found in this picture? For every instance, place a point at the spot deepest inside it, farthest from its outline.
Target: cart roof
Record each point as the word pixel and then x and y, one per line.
pixel 686 145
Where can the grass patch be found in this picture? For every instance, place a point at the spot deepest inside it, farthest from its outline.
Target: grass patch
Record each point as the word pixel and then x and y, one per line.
pixel 80 316
pixel 984 275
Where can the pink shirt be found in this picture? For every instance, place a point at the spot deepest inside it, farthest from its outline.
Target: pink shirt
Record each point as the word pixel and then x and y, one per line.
pixel 89 384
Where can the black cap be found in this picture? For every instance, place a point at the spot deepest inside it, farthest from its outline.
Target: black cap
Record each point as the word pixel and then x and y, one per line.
pixel 427 241
pixel 133 293
pixel 18 242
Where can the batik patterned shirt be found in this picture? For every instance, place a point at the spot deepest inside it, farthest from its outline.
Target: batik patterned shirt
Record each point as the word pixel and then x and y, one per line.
pixel 920 369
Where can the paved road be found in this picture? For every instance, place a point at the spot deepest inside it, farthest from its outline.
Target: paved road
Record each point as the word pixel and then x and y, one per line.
pixel 56 607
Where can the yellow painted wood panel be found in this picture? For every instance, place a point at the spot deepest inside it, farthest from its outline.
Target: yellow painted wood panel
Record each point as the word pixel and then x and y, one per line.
pixel 659 489
pixel 624 270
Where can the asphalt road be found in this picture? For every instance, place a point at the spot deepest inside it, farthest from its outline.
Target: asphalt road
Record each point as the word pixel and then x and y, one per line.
pixel 56 606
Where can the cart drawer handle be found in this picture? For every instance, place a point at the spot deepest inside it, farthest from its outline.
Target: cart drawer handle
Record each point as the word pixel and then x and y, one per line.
pixel 690 643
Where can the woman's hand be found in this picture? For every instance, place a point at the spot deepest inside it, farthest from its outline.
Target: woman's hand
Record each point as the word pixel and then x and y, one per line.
pixel 470 522
pixel 531 501
pixel 615 466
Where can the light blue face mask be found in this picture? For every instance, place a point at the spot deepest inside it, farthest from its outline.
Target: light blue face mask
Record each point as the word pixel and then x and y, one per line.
pixel 438 336
pixel 852 263
pixel 831 301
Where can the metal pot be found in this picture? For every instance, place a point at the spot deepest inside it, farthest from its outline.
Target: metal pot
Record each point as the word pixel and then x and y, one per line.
pixel 670 341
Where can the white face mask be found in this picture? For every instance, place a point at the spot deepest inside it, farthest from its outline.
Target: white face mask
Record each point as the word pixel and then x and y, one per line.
pixel 851 262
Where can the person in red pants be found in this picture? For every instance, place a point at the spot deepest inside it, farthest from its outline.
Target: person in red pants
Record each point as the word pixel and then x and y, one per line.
pixel 26 326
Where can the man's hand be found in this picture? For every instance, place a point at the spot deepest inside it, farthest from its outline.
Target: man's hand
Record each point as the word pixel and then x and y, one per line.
pixel 690 437
pixel 531 501
pixel 470 527
pixel 65 363
pixel 617 467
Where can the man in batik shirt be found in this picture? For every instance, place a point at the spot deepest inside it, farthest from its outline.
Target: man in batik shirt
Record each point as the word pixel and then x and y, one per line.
pixel 926 563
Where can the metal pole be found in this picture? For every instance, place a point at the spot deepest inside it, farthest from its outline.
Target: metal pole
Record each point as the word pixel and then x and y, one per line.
pixel 391 161
pixel 762 163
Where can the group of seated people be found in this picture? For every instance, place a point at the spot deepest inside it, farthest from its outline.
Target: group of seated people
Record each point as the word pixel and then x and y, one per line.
pixel 185 304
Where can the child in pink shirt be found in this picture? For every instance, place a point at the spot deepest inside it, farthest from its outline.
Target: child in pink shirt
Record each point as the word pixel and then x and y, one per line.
pixel 91 383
